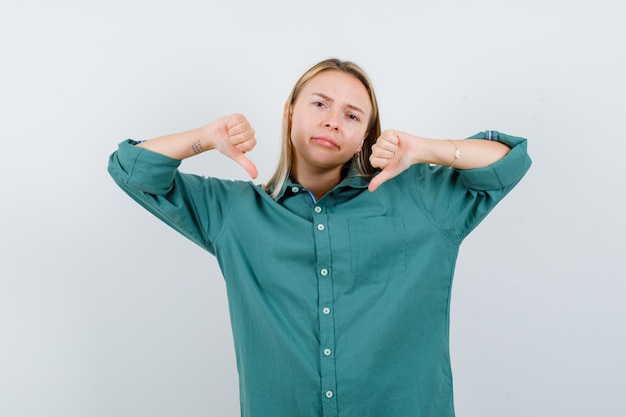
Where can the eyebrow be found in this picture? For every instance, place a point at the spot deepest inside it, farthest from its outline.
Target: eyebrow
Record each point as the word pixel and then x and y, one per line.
pixel 352 106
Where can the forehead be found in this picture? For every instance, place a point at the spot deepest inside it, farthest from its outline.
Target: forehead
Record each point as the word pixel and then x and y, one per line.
pixel 339 86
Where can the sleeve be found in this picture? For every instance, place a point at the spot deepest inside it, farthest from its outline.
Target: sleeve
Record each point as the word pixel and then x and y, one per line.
pixel 503 174
pixel 458 200
pixel 195 206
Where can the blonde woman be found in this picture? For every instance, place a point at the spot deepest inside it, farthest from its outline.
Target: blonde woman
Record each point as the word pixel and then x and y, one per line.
pixel 343 309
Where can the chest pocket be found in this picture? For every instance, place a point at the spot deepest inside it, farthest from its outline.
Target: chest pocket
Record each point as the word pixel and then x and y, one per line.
pixel 378 247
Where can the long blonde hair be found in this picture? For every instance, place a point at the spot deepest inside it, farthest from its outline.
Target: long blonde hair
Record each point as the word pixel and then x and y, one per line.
pixel 361 159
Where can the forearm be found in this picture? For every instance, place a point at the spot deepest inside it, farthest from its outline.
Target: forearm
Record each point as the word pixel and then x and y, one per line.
pixel 396 151
pixel 461 154
pixel 181 145
pixel 231 135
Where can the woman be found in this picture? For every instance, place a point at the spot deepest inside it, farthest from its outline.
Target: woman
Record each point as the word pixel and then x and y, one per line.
pixel 338 270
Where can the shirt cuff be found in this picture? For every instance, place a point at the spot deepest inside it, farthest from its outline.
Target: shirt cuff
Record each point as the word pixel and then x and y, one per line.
pixel 147 170
pixel 504 173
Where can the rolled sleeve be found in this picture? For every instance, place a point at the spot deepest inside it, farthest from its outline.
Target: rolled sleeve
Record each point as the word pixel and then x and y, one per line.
pixel 142 169
pixel 458 200
pixel 193 205
pixel 503 174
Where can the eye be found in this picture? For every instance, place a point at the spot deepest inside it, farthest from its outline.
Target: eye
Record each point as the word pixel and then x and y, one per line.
pixel 353 117
pixel 318 104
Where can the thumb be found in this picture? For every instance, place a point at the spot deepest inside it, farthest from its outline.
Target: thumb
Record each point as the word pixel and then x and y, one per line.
pixel 383 176
pixel 247 164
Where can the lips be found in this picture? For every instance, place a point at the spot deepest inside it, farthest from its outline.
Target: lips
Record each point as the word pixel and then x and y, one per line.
pixel 326 142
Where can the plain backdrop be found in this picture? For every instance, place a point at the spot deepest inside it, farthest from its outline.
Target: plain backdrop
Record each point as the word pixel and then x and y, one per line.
pixel 106 312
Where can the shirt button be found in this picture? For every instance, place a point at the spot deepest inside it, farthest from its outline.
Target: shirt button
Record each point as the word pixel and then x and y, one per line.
pixel 295 189
pixel 324 272
pixel 327 352
pixel 326 310
pixel 318 209
pixel 320 227
pixel 329 394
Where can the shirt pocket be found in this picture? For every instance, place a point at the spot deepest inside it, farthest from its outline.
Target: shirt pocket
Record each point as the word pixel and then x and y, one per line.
pixel 378 247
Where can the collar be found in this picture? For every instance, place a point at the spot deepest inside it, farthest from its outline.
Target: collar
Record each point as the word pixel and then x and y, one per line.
pixel 353 180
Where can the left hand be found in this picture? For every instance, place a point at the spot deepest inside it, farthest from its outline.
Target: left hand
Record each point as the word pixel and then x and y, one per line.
pixel 393 152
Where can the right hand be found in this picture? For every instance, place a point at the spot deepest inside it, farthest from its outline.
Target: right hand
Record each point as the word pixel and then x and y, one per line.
pixel 234 137
pixel 393 152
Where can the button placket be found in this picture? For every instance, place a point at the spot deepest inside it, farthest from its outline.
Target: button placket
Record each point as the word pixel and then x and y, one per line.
pixel 325 300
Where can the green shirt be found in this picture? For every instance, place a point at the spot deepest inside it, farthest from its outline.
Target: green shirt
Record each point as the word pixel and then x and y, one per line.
pixel 339 307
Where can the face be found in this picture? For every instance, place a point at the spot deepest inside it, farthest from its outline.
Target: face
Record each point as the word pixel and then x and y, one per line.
pixel 329 122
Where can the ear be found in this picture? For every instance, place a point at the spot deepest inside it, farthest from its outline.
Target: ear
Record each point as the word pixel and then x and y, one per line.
pixel 287 112
pixel 358 149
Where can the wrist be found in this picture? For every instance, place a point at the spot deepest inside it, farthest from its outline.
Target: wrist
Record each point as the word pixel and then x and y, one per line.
pixel 204 138
pixel 444 152
pixel 426 151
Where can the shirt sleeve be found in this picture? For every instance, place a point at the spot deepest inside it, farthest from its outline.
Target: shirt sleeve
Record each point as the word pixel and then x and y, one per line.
pixel 458 200
pixel 195 206
pixel 504 173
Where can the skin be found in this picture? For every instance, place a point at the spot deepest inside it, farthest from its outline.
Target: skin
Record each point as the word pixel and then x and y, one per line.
pixel 395 151
pixel 232 135
pixel 329 122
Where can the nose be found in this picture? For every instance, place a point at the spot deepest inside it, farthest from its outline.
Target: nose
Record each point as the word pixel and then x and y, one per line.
pixel 332 121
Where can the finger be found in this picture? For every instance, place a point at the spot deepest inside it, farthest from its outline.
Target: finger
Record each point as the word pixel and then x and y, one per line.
pixel 240 132
pixel 380 158
pixel 382 153
pixel 240 139
pixel 236 120
pixel 382 150
pixel 239 129
pixel 389 136
pixel 387 144
pixel 247 164
pixel 379 162
pixel 246 146
pixel 380 179
pixel 385 175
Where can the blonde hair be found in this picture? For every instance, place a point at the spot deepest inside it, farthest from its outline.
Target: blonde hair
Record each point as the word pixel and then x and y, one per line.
pixel 361 159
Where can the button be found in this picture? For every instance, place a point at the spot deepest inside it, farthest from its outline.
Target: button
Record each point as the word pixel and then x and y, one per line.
pixel 318 209
pixel 320 227
pixel 295 189
pixel 326 310
pixel 327 352
pixel 324 272
pixel 329 394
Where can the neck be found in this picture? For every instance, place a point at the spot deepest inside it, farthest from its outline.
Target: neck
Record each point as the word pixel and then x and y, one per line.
pixel 318 182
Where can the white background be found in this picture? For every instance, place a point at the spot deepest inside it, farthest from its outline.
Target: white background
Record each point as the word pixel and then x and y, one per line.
pixel 105 312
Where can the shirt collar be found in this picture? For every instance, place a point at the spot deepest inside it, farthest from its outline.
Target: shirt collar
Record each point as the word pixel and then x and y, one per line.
pixel 352 180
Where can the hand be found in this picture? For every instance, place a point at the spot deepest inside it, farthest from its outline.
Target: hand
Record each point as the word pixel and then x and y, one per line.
pixel 393 152
pixel 235 138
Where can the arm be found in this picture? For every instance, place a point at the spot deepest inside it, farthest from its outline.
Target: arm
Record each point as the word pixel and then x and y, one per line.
pixel 191 204
pixel 231 135
pixel 396 151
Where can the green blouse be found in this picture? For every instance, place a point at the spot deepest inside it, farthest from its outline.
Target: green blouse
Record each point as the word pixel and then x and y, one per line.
pixel 339 307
